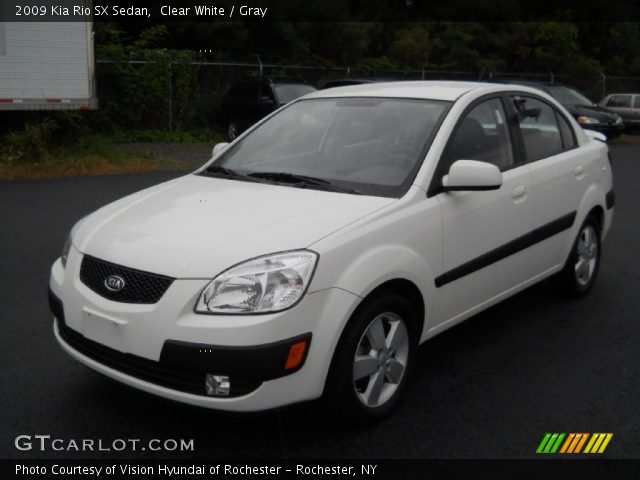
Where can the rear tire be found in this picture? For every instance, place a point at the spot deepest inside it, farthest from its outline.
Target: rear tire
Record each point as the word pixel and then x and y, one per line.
pixel 373 359
pixel 581 269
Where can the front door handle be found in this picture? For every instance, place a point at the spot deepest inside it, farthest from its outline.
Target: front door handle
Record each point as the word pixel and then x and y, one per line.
pixel 519 193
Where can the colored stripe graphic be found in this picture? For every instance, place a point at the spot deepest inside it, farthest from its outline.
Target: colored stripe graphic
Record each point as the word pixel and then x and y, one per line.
pixel 567 443
pixel 556 445
pixel 574 443
pixel 544 441
pixel 581 443
pixel 550 443
pixel 605 443
pixel 598 442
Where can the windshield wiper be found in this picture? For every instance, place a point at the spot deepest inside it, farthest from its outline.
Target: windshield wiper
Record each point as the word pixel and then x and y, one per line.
pixel 289 178
pixel 303 180
pixel 227 172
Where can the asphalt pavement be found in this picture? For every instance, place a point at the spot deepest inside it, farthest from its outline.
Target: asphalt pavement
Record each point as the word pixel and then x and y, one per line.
pixel 488 388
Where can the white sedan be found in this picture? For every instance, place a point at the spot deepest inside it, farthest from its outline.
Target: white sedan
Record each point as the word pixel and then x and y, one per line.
pixel 311 256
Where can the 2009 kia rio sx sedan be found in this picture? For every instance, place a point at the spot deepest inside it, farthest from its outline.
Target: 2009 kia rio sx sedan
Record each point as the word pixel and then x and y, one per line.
pixel 313 254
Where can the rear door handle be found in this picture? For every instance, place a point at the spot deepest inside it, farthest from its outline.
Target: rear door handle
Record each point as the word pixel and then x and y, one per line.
pixel 579 172
pixel 519 193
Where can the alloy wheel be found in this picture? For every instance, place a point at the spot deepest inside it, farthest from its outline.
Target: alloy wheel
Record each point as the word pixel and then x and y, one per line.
pixel 381 358
pixel 587 251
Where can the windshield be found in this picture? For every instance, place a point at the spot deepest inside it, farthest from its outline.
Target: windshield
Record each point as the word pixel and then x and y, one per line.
pixel 570 96
pixel 288 92
pixel 369 145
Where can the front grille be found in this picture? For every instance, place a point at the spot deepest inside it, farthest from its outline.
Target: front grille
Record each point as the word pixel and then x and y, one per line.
pixel 139 287
pixel 184 379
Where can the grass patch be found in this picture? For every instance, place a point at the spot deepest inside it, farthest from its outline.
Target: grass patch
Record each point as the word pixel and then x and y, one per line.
pixel 33 153
pixel 61 165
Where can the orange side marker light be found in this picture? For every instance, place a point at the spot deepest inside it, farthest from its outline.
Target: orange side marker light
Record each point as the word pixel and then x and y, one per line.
pixel 296 354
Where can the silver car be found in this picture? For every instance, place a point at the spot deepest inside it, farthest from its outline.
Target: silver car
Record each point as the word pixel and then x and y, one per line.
pixel 627 105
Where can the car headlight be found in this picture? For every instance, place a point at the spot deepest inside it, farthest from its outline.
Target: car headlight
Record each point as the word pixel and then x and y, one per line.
pixel 618 119
pixel 587 120
pixel 69 241
pixel 265 284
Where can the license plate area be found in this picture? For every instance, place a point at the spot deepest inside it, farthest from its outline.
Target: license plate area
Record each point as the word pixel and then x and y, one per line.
pixel 104 329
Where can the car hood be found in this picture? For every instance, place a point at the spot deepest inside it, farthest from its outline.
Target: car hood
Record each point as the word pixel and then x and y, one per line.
pixel 197 226
pixel 601 113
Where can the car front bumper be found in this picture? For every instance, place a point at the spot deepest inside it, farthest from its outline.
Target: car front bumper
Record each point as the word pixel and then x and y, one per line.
pixel 610 130
pixel 168 350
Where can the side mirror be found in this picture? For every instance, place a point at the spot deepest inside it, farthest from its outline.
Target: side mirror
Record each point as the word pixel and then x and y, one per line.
pixel 470 175
pixel 218 149
pixel 526 112
pixel 530 113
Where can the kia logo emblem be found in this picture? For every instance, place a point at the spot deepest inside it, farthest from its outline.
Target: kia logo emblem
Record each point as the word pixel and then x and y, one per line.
pixel 114 283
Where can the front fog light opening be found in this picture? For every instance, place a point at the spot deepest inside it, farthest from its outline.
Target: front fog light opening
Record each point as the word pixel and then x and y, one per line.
pixel 217 385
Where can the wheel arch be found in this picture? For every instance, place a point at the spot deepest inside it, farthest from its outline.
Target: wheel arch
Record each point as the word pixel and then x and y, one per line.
pixel 598 213
pixel 405 288
pixel 399 285
pixel 593 203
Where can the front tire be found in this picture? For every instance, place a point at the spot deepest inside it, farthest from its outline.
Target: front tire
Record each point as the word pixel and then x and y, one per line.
pixel 373 359
pixel 582 267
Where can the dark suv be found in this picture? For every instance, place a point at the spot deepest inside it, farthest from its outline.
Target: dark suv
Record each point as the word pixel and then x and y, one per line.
pixel 251 99
pixel 586 113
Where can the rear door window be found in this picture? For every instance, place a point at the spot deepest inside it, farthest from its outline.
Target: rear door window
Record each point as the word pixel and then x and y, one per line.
pixel 539 128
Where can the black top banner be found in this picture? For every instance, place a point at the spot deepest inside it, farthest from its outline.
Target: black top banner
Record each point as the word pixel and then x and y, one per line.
pixel 163 11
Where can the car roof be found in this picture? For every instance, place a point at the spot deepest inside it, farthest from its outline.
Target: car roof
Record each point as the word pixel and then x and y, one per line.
pixel 433 90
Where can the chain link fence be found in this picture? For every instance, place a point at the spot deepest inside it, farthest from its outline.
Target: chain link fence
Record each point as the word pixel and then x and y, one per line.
pixel 190 93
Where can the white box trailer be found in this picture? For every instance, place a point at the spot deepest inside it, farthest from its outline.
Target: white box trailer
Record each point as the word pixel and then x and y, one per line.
pixel 47 66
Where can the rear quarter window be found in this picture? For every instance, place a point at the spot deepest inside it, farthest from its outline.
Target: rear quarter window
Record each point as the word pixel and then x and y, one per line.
pixel 566 132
